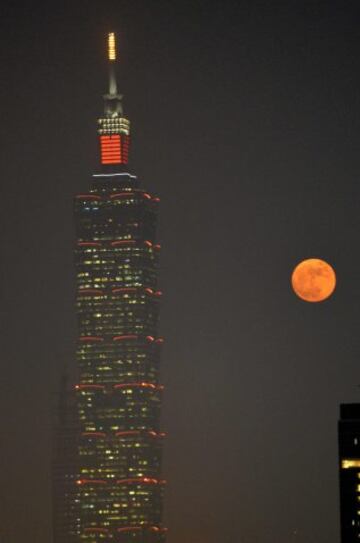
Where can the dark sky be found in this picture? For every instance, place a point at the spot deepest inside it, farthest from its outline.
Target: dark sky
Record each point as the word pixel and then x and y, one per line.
pixel 245 119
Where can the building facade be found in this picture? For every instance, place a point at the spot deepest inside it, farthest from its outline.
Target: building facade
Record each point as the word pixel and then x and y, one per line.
pixel 349 466
pixel 119 486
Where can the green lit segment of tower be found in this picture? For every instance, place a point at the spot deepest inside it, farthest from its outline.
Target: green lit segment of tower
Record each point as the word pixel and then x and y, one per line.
pixel 119 483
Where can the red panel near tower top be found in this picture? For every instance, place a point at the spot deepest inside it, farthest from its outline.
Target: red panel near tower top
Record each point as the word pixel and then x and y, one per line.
pixel 114 149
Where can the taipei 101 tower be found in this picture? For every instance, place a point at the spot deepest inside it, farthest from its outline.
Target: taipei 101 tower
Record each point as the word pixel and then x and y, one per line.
pixel 108 485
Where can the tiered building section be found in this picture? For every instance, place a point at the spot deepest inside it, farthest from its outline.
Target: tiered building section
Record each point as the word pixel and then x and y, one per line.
pixel 119 393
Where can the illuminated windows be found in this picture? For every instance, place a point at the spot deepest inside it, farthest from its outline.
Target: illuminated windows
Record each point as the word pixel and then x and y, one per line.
pixel 350 463
pixel 118 309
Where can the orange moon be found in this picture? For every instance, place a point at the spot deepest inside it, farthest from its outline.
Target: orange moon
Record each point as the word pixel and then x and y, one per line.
pixel 313 280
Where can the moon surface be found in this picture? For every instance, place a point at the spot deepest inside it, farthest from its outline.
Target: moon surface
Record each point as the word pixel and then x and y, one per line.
pixel 313 280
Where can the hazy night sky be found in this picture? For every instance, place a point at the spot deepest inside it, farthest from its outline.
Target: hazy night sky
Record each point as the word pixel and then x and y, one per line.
pixel 245 121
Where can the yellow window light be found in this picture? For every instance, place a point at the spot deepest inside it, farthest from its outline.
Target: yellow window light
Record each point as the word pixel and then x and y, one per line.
pixel 111 46
pixel 348 464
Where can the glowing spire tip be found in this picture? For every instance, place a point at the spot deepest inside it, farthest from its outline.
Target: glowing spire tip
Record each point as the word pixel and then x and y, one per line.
pixel 111 46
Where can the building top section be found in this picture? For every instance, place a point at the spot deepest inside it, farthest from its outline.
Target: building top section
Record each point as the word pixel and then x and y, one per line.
pixel 114 128
pixel 350 411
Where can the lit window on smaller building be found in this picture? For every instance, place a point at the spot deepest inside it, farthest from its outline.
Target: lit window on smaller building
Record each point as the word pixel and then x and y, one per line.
pixel 350 463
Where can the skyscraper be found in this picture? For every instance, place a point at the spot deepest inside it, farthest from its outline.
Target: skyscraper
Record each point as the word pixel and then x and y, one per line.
pixel 349 459
pixel 119 487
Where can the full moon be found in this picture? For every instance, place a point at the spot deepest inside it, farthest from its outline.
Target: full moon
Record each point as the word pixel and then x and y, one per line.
pixel 313 280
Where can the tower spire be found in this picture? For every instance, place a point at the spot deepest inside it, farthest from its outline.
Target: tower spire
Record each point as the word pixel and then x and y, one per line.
pixel 111 46
pixel 112 59
pixel 114 128
pixel 113 105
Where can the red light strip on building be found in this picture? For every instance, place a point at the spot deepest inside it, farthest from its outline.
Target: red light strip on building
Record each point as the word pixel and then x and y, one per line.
pixel 124 290
pixel 139 385
pixel 152 292
pixel 132 241
pixel 149 291
pixel 125 337
pixel 93 434
pixel 89 244
pixel 144 195
pixel 156 434
pixel 159 340
pixel 96 530
pixel 130 433
pixel 91 339
pixel 90 387
pixel 91 482
pixel 121 195
pixel 88 197
pixel 142 480
pixel 123 242
pixel 84 291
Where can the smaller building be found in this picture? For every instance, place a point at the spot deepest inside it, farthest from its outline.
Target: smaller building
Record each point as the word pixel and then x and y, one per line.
pixel 349 466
